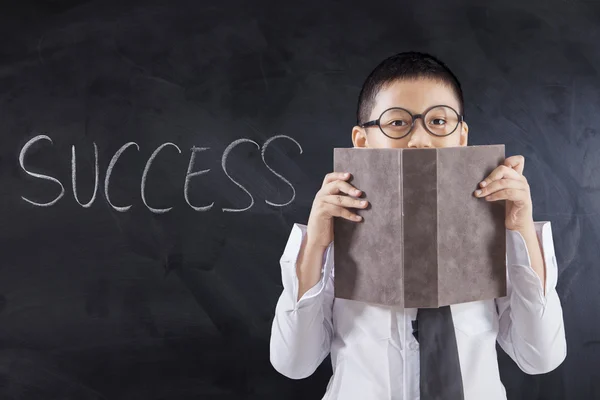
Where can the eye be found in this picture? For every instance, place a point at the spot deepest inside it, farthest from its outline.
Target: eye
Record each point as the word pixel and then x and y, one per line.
pixel 398 122
pixel 438 121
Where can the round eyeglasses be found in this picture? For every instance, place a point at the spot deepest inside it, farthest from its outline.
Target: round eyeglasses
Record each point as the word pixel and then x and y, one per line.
pixel 397 122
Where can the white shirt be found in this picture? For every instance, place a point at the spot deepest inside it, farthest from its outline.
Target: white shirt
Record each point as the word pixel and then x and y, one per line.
pixel 373 352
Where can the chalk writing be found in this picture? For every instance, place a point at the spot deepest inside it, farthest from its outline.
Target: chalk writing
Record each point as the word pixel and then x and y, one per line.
pixel 109 170
pixel 145 175
pixel 224 163
pixel 189 174
pixel 74 177
pixel 40 176
pixel 264 149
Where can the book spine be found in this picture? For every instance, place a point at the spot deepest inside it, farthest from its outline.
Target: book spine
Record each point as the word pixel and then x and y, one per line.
pixel 420 226
pixel 401 222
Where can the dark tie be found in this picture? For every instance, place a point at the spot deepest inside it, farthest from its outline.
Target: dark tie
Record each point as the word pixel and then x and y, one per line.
pixel 440 369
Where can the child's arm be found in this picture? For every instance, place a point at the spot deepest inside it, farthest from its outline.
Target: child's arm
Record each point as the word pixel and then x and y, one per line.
pixel 531 320
pixel 302 328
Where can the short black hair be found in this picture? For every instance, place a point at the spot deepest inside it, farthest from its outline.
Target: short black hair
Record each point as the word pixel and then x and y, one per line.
pixel 405 66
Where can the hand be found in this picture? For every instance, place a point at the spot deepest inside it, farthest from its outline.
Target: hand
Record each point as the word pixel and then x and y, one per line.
pixel 332 200
pixel 507 182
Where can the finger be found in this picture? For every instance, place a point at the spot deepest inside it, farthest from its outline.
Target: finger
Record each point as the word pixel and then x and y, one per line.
pixel 337 211
pixel 345 201
pixel 334 176
pixel 514 195
pixel 338 186
pixel 516 162
pixel 501 172
pixel 500 185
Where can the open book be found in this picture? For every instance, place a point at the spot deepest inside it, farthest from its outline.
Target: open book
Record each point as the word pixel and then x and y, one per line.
pixel 425 239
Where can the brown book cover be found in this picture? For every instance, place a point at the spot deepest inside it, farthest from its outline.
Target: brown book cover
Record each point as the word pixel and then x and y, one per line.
pixel 425 240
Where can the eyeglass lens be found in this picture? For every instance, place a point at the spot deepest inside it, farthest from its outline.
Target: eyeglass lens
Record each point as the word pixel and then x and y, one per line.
pixel 439 121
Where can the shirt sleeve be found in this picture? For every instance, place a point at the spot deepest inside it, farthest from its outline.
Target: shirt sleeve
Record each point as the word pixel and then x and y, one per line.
pixel 302 329
pixel 531 327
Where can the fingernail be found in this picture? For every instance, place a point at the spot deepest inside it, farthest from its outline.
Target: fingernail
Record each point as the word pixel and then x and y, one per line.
pixel 477 192
pixel 357 217
pixel 357 192
pixel 363 203
pixel 346 174
pixel 483 184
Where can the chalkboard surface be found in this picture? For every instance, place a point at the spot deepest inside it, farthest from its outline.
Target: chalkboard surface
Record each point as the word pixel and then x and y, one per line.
pixel 213 124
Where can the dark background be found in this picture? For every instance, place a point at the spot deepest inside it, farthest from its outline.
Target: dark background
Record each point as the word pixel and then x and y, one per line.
pixel 99 304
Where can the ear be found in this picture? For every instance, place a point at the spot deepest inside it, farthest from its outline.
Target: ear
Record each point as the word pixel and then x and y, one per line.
pixel 359 137
pixel 464 133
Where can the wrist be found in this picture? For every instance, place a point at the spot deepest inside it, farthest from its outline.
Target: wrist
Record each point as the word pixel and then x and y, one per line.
pixel 527 229
pixel 313 244
pixel 309 265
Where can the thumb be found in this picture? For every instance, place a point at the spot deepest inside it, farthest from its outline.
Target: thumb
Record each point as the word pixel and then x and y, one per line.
pixel 516 162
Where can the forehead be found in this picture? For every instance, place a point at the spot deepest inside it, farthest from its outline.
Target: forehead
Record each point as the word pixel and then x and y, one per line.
pixel 416 95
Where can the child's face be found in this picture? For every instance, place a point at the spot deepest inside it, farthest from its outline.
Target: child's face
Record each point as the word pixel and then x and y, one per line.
pixel 415 96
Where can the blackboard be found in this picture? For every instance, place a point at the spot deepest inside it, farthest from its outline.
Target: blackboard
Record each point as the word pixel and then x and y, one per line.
pixel 166 301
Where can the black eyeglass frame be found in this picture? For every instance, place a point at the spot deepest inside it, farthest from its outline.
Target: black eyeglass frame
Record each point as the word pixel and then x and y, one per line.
pixel 376 122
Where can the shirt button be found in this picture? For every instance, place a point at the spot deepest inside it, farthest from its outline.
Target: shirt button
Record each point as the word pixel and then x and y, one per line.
pixel 414 346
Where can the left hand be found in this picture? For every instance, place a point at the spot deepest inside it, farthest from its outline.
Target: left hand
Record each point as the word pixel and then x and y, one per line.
pixel 507 182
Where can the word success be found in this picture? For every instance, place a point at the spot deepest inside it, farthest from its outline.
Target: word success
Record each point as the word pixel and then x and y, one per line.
pixel 189 175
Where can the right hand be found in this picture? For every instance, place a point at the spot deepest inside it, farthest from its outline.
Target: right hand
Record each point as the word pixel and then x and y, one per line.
pixel 334 199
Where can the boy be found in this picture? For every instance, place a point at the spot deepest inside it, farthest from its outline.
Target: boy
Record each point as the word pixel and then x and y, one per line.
pixel 374 349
